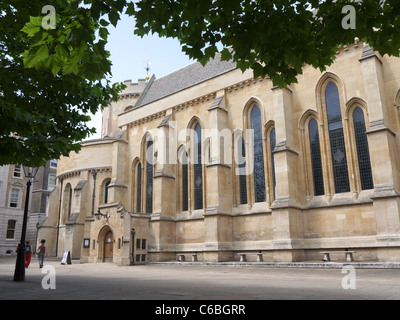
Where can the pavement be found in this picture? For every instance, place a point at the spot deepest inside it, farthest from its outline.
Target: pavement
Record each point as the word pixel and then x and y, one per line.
pixel 197 281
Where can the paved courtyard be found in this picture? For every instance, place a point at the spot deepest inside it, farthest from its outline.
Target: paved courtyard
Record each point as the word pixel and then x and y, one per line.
pixel 182 282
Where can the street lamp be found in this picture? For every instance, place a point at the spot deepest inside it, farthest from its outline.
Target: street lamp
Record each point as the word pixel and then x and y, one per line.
pixel 19 273
pixel 98 215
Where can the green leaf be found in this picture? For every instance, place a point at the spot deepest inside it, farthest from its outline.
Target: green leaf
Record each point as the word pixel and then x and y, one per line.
pixel 33 26
pixel 113 16
pixel 103 33
pixel 104 23
pixel 71 67
pixel 34 56
pixel 130 10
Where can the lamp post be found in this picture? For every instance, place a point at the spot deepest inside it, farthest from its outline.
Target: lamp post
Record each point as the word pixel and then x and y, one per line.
pixel 19 273
pixel 98 215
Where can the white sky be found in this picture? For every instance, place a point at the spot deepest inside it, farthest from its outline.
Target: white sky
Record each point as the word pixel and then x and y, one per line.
pixel 129 54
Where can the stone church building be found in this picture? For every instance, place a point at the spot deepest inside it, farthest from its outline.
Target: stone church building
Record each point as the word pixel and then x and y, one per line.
pixel 208 162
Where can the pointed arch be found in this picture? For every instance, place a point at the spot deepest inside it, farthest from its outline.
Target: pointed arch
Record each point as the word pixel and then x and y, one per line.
pixel 137 185
pixel 270 134
pixel 148 170
pixel 253 101
pixel 101 241
pixel 354 103
pixel 315 155
pixel 67 203
pixel 258 153
pixel 320 89
pixel 239 172
pixel 104 190
pixel 331 97
pixel 197 167
pixel 397 105
pixel 397 99
pixel 305 118
pixel 183 178
pixel 311 130
pixel 364 162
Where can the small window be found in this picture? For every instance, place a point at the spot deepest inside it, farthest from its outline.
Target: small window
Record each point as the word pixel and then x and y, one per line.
pixel 11 229
pixel 138 244
pixel 53 164
pixel 143 257
pixel 316 162
pixel 107 184
pixel 143 244
pixel 51 183
pixel 14 199
pixel 138 258
pixel 17 171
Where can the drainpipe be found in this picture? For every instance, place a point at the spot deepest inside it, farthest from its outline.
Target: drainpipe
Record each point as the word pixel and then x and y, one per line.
pixel 59 214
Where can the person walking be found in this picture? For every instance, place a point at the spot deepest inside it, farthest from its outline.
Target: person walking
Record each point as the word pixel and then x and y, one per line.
pixel 41 252
pixel 28 254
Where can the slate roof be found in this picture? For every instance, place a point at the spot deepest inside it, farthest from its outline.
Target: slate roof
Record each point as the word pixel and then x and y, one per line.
pixel 184 78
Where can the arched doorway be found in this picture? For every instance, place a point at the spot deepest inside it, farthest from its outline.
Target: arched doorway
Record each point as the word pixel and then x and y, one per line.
pixel 108 247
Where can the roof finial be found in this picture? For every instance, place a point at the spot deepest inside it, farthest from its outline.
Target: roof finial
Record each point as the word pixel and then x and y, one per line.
pixel 148 63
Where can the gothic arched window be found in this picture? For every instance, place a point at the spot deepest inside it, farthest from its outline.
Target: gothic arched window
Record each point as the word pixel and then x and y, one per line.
pixel 258 155
pixel 272 141
pixel 242 171
pixel 316 163
pixel 364 162
pixel 185 182
pixel 106 185
pixel 336 137
pixel 139 188
pixel 149 177
pixel 197 169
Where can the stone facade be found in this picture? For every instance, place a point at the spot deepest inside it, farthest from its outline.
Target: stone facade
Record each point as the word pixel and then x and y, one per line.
pixel 12 204
pixel 314 180
pixel 43 185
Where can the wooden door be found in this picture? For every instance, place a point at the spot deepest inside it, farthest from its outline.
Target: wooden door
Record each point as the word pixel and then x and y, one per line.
pixel 108 247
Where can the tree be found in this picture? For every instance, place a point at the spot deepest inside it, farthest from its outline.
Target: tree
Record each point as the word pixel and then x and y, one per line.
pixel 273 38
pixel 43 113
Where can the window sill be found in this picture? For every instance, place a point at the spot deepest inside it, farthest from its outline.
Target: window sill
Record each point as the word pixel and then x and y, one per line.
pixel 340 199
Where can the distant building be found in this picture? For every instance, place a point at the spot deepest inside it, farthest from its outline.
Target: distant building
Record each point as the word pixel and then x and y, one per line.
pixel 208 162
pixel 43 185
pixel 12 203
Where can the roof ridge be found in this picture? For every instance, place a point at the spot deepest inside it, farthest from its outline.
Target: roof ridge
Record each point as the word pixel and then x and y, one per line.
pixel 190 64
pixel 186 77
